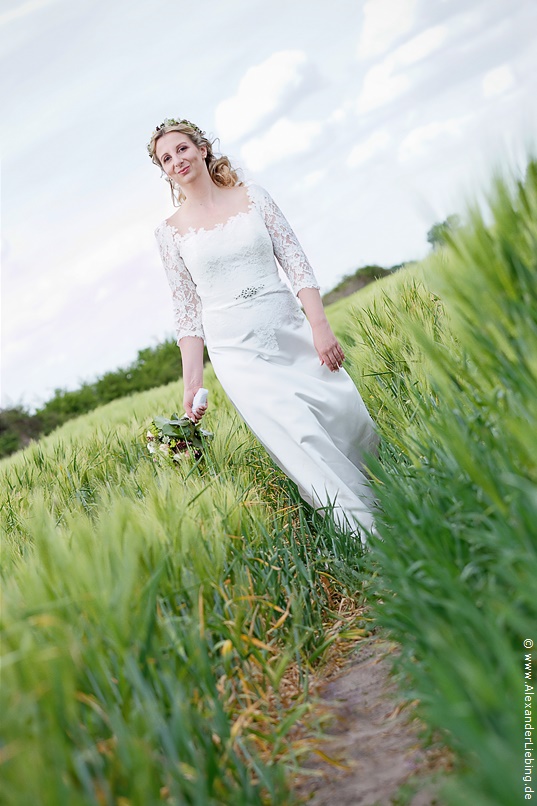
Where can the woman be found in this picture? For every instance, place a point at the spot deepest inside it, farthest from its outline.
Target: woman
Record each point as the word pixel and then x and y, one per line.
pixel 281 371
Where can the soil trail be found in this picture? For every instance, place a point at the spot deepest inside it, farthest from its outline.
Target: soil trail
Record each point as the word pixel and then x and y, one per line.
pixel 374 736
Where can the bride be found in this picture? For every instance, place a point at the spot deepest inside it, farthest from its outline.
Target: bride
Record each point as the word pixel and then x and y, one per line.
pixel 281 369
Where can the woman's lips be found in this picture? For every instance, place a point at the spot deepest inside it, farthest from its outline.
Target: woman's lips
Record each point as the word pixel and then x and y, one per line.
pixel 184 170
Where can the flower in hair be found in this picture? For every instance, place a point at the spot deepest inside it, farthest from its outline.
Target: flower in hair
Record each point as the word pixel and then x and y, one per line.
pixel 173 122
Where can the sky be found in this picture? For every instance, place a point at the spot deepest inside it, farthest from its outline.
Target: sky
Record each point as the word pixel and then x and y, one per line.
pixel 367 121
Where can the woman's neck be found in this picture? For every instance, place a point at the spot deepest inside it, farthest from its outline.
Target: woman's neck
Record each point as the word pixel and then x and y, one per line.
pixel 203 193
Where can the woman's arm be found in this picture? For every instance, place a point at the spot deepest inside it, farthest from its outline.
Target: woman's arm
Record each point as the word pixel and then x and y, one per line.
pixel 327 346
pixel 192 356
pixel 296 266
pixel 188 320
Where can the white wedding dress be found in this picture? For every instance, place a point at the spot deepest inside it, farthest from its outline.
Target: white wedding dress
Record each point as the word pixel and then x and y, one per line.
pixel 226 289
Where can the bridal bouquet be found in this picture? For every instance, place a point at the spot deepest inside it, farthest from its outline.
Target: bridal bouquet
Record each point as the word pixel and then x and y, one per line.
pixel 175 437
pixel 178 435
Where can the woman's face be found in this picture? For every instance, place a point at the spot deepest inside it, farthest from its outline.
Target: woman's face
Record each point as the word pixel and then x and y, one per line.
pixel 180 158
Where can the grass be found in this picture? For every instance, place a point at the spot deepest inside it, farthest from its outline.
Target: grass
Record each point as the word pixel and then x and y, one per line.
pixel 452 366
pixel 162 626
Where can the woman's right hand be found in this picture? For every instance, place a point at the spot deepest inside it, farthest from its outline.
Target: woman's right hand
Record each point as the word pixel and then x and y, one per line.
pixel 328 347
pixel 188 399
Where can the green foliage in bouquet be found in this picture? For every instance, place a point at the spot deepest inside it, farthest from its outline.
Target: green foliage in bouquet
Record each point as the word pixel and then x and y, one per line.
pixel 175 437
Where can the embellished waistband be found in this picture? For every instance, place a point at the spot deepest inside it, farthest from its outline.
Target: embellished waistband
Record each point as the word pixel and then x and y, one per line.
pixel 244 293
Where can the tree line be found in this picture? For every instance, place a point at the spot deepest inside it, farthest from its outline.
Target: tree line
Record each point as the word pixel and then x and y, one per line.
pixel 154 366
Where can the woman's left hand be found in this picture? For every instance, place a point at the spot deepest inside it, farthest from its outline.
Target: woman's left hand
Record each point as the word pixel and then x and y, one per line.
pixel 328 347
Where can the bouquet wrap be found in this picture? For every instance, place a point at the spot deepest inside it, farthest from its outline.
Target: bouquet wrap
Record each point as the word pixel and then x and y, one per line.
pixel 200 398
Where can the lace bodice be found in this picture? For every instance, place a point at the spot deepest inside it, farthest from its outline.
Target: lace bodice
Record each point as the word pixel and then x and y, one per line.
pixel 233 261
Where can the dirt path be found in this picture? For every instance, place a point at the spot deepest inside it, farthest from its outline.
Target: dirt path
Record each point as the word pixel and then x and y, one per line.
pixel 373 737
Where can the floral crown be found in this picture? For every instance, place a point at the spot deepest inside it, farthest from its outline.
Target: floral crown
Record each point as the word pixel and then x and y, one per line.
pixel 173 122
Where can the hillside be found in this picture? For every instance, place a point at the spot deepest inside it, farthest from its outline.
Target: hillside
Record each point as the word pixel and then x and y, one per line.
pixel 359 279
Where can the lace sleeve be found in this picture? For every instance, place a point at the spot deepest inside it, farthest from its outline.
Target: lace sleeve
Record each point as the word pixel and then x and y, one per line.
pixel 186 301
pixel 287 249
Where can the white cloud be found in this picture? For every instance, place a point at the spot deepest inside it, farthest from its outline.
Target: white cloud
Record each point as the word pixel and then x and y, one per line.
pixel 381 86
pixel 384 22
pixel 368 148
pixel 339 114
pixel 382 83
pixel 263 90
pixel 497 81
pixel 282 140
pixel 418 141
pixel 420 46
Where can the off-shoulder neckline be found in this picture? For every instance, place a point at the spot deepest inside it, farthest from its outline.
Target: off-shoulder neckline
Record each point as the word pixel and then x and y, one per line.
pixel 191 231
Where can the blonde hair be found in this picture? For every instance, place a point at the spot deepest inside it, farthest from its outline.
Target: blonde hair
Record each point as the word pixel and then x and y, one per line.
pixel 220 169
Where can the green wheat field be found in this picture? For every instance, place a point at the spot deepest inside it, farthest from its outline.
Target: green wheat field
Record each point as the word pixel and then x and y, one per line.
pixel 162 625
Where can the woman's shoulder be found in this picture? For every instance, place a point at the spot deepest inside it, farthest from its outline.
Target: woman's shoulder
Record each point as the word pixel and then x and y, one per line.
pixel 164 229
pixel 160 228
pixel 174 219
pixel 257 193
pixel 255 187
pixel 168 225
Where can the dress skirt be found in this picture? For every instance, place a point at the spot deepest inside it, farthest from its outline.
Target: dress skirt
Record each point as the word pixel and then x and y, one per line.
pixel 312 422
